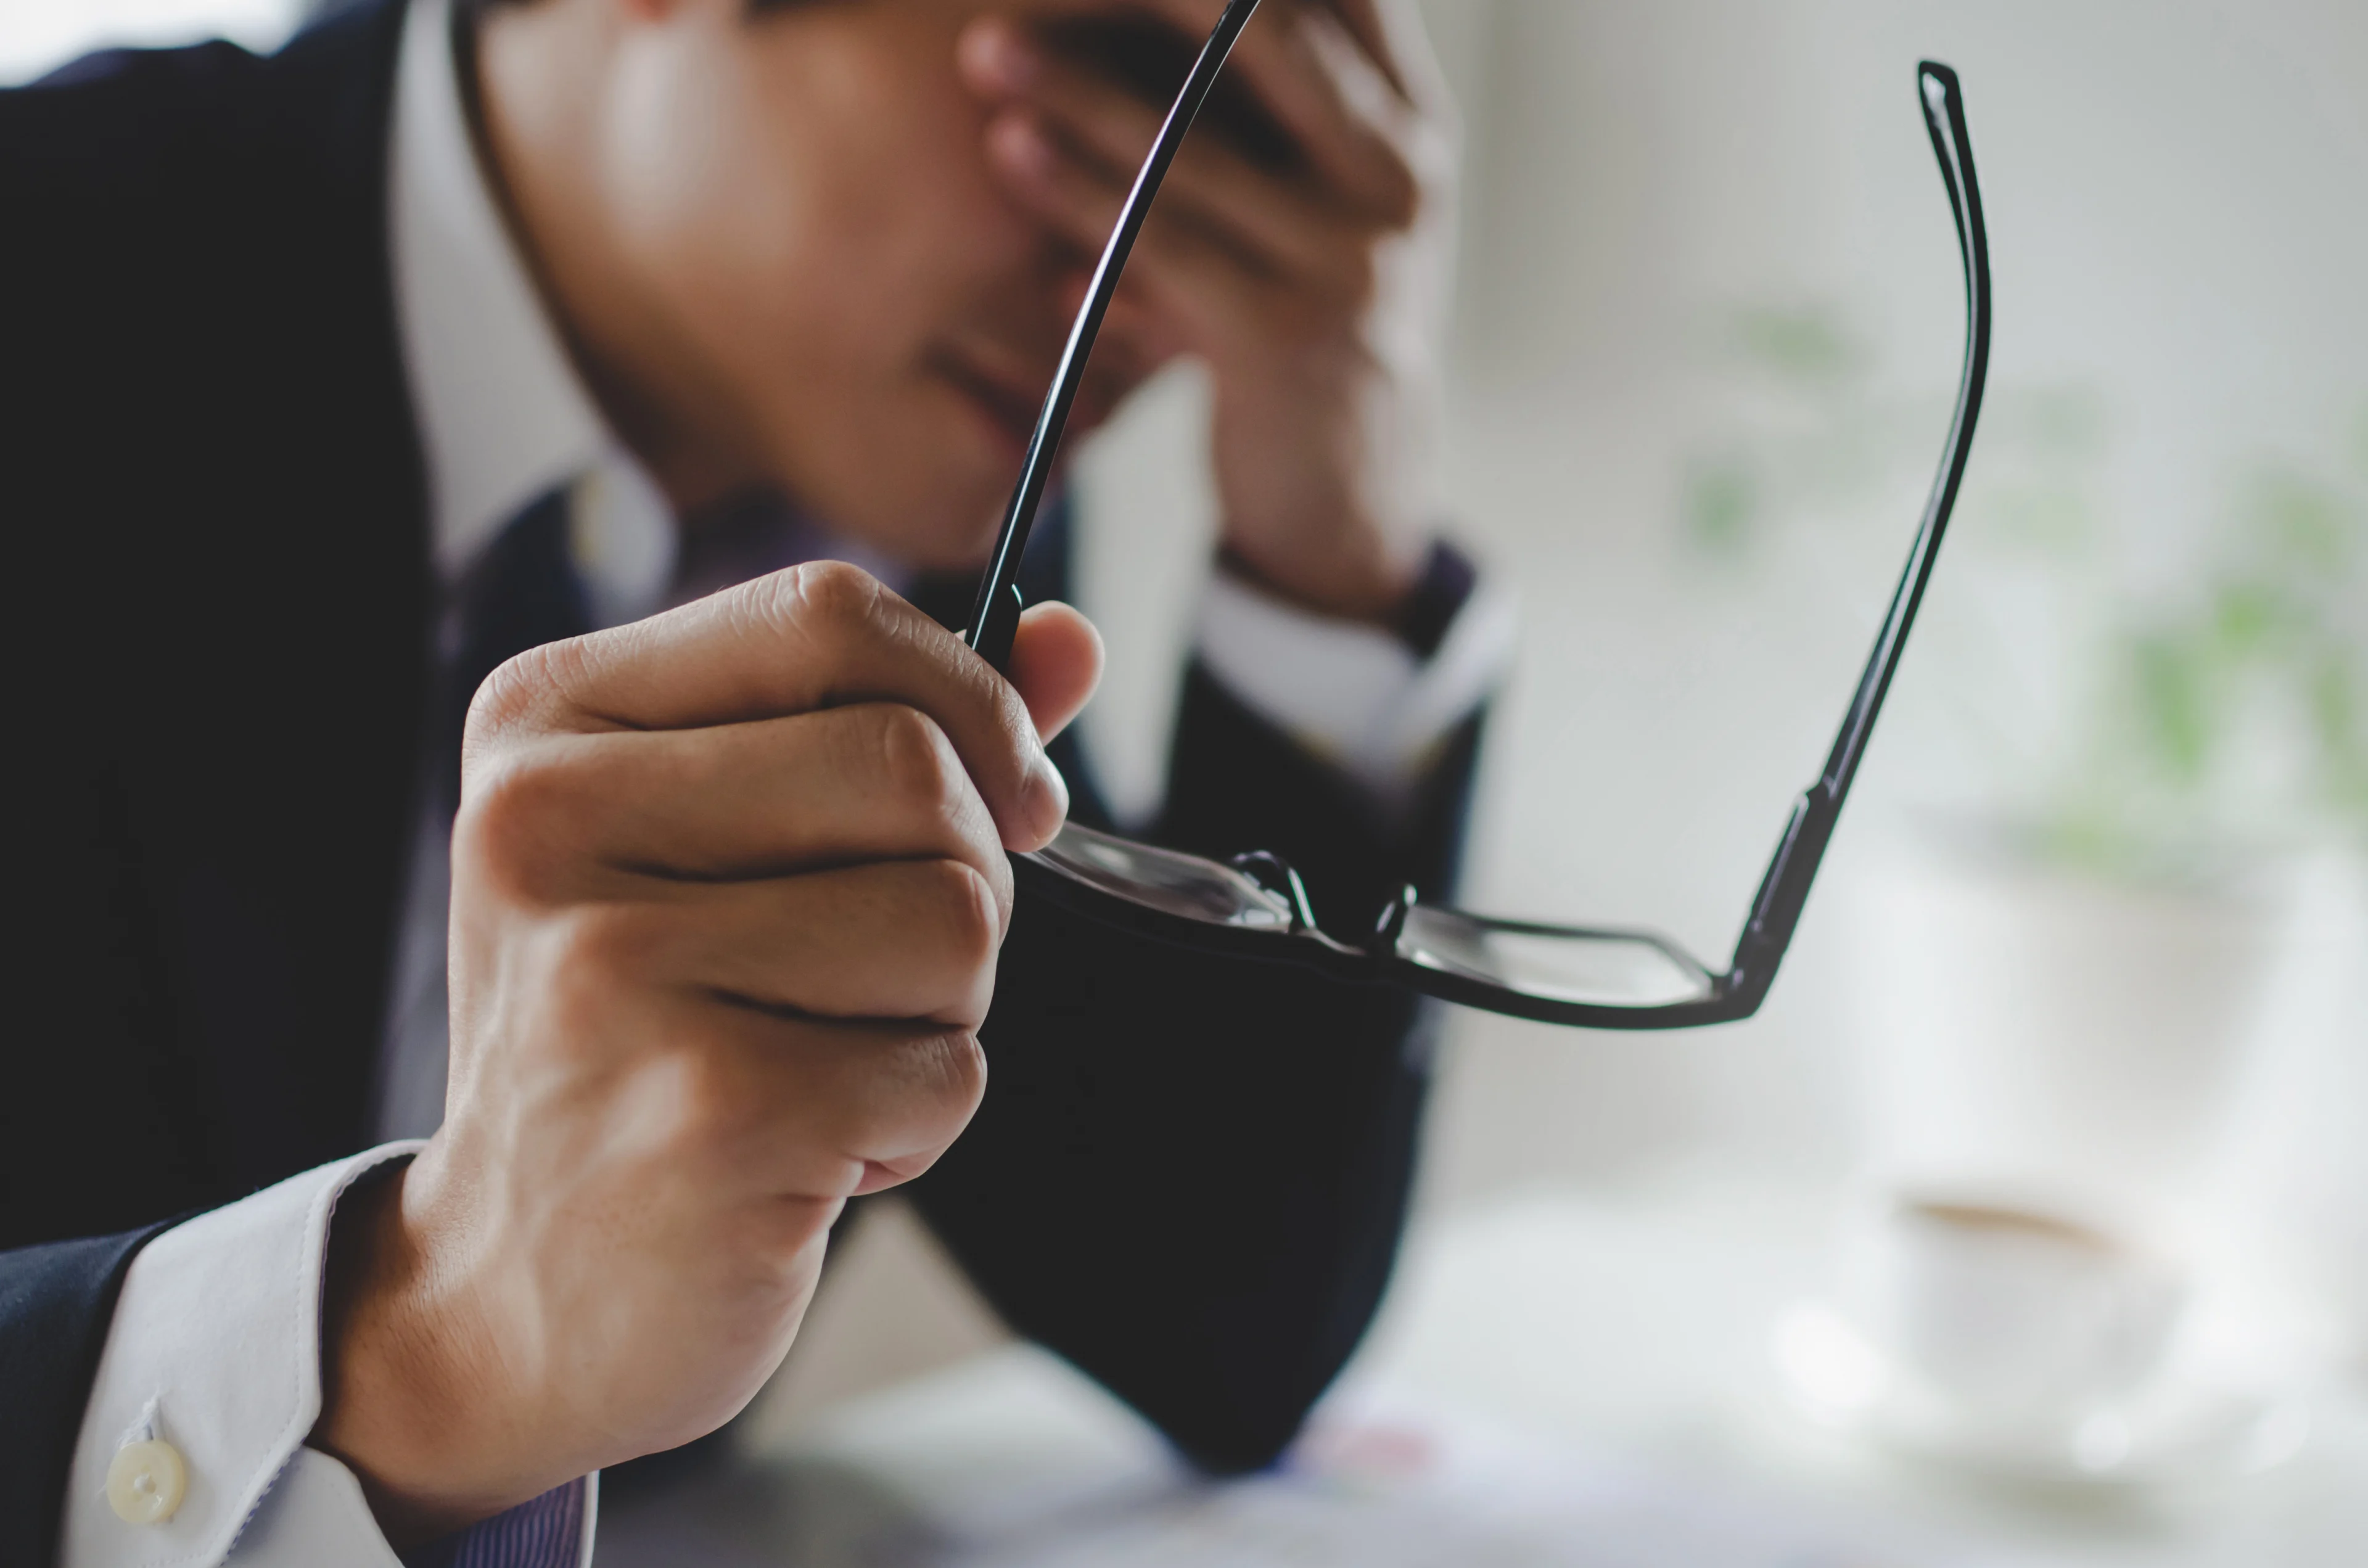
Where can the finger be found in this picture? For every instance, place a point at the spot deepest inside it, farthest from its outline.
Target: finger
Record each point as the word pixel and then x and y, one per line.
pixel 808 1109
pixel 1056 663
pixel 1177 258
pixel 1150 337
pixel 1392 35
pixel 1362 23
pixel 1356 128
pixel 564 818
pixel 1200 292
pixel 897 939
pixel 818 636
pixel 1278 224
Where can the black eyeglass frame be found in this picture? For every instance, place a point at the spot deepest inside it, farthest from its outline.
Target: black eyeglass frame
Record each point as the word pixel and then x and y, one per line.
pixel 1281 927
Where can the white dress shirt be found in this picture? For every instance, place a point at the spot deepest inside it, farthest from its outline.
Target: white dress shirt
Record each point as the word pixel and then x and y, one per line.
pixel 214 1346
pixel 215 1343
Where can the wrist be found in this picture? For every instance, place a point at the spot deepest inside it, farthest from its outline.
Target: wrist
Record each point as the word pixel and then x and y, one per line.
pixel 1365 587
pixel 1417 605
pixel 386 1409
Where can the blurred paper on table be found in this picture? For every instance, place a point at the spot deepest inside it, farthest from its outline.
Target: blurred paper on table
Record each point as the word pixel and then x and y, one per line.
pixel 1011 1461
pixel 1376 1486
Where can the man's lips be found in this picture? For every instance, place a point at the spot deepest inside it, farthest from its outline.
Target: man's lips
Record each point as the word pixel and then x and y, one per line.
pixel 1010 400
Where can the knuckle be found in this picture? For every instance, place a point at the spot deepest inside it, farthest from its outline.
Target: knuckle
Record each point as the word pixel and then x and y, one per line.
pixel 917 763
pixel 969 915
pixel 721 1105
pixel 516 806
pixel 598 944
pixel 954 1071
pixel 1395 189
pixel 1433 155
pixel 1361 279
pixel 1399 202
pixel 827 597
pixel 927 1090
pixel 1002 889
pixel 1411 195
pixel 586 955
pixel 521 692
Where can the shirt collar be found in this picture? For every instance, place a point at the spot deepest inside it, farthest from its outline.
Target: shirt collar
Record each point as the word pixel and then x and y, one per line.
pixel 503 415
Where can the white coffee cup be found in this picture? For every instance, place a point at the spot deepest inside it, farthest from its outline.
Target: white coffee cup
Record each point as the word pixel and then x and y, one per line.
pixel 2007 1317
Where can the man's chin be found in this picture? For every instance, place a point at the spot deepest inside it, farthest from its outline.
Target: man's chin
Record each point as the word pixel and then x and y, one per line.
pixel 934 538
pixel 959 535
pixel 946 522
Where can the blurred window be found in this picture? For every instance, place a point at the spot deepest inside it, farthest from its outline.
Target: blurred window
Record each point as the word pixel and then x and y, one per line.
pixel 37 36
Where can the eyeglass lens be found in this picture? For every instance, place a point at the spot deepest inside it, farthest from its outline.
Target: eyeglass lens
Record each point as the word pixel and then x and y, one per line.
pixel 1172 884
pixel 1554 963
pixel 1606 967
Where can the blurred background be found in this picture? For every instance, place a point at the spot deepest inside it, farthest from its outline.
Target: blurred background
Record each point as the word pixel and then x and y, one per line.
pixel 2092 944
pixel 1709 323
pixel 2092 941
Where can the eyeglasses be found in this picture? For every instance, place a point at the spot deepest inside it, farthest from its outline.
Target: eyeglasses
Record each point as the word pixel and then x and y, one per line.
pixel 1599 977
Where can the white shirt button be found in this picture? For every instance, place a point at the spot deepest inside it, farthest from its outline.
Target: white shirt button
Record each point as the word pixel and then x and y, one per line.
pixel 146 1482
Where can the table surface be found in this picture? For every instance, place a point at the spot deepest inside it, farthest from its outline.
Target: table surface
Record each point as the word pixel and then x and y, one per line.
pixel 1556 1380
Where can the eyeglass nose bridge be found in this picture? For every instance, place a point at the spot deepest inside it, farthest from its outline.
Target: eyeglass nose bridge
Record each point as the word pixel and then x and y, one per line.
pixel 1274 873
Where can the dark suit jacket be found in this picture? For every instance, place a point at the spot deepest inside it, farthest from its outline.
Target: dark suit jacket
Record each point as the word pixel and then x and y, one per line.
pixel 1188 1175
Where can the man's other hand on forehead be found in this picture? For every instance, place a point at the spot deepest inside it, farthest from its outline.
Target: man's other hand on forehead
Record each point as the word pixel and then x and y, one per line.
pixel 835 248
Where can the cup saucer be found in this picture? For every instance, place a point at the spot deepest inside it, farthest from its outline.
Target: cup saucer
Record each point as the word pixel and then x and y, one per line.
pixel 2181 1428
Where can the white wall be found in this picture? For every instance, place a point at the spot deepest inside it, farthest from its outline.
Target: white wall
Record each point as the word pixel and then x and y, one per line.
pixel 2179 203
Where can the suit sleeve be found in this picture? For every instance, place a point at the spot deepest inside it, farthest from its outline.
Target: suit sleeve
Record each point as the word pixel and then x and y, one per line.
pixel 1190 1173
pixel 55 1304
pixel 213 1347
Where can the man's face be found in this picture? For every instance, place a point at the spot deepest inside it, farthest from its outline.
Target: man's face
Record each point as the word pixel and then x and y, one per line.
pixel 850 307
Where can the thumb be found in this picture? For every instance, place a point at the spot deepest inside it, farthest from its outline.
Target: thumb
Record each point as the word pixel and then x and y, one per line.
pixel 1057 661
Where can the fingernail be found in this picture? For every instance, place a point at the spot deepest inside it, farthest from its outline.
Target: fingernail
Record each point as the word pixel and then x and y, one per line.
pixel 1021 145
pixel 996 54
pixel 1048 796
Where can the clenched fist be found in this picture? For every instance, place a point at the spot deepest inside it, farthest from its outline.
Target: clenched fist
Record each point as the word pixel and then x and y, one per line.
pixel 727 889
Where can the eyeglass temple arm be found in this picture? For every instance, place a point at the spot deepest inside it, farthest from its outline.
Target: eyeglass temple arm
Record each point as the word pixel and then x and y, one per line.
pixel 1776 909
pixel 995 618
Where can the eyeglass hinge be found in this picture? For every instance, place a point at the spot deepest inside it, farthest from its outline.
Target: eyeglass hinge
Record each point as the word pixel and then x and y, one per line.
pixel 1273 873
pixel 1391 924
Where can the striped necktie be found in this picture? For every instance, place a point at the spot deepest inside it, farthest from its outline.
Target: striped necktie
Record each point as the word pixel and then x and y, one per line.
pixel 522 592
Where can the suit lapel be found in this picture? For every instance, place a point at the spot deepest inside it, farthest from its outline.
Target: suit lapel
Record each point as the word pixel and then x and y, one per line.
pixel 276 799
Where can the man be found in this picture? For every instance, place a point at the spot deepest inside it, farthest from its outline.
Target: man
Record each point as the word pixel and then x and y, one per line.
pixel 427 360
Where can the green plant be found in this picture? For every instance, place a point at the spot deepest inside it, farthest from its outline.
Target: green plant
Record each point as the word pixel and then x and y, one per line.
pixel 2233 713
pixel 2241 710
pixel 1819 434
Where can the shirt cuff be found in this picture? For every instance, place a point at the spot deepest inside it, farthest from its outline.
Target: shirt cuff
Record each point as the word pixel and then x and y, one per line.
pixel 1354 695
pixel 554 1531
pixel 215 1351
